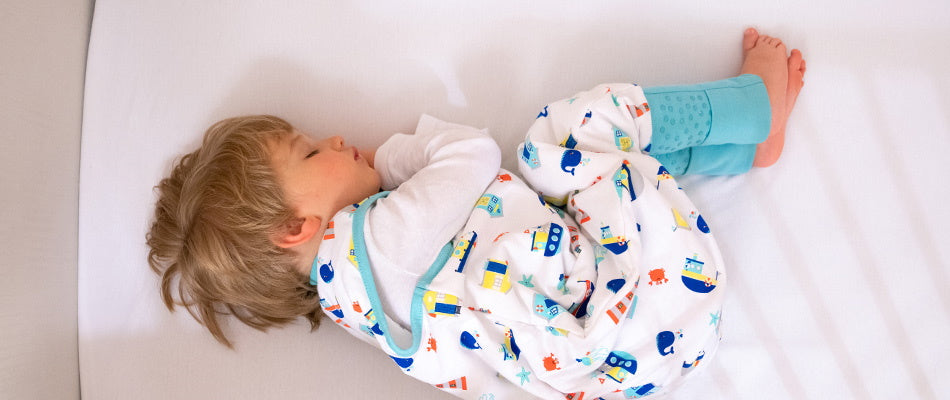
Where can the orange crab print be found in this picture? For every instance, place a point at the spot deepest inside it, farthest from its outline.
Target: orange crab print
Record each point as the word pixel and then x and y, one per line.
pixel 551 363
pixel 432 346
pixel 658 276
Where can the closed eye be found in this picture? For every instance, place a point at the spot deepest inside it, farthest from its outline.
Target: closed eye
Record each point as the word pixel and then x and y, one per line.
pixel 312 153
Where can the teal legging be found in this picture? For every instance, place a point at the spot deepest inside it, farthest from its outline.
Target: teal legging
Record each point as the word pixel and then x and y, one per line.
pixel 710 128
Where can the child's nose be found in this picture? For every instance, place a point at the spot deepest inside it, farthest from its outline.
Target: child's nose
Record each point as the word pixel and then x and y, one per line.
pixel 336 142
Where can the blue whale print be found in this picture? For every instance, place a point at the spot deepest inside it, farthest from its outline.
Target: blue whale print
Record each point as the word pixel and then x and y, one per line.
pixel 570 159
pixel 615 284
pixel 468 341
pixel 664 342
pixel 326 272
pixel 402 362
pixel 701 224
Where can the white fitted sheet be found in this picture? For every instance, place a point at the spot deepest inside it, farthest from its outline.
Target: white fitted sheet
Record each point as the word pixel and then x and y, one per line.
pixel 839 281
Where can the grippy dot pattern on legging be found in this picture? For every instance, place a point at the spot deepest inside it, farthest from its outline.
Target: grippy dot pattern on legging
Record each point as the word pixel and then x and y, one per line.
pixel 676 162
pixel 680 121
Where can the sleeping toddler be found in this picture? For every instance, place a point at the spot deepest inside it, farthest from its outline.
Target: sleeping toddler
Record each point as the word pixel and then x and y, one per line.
pixel 588 274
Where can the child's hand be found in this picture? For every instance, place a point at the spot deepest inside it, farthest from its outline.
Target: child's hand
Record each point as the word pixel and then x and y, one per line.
pixel 369 155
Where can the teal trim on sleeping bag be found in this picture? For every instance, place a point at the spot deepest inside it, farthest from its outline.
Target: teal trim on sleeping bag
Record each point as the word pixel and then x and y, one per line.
pixel 362 259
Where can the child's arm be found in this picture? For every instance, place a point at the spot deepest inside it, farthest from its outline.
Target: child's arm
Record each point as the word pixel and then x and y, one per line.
pixel 436 177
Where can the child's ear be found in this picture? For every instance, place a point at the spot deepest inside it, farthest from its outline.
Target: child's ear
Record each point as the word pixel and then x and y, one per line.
pixel 298 231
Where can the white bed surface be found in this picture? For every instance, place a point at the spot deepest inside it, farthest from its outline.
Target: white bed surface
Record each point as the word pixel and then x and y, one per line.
pixel 839 282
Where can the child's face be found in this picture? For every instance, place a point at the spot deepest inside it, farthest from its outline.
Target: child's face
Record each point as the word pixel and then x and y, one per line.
pixel 320 177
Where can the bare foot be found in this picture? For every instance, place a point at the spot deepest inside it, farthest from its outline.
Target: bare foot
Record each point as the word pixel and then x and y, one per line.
pixel 768 152
pixel 767 57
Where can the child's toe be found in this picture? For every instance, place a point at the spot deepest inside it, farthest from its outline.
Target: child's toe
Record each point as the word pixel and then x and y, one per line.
pixel 749 38
pixel 795 60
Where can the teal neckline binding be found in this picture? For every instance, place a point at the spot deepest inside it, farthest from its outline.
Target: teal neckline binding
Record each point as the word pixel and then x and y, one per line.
pixel 362 259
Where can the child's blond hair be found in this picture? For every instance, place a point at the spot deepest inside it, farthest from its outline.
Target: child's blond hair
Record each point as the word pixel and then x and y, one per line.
pixel 214 219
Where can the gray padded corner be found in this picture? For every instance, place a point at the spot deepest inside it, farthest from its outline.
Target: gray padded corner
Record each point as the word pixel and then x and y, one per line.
pixel 41 87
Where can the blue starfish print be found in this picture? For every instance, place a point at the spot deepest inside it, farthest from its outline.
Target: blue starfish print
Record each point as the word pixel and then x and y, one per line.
pixel 524 376
pixel 526 280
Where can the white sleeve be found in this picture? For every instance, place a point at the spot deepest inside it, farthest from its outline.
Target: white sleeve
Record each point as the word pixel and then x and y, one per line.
pixel 436 176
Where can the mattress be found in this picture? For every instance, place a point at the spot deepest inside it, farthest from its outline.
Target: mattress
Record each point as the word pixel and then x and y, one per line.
pixel 839 282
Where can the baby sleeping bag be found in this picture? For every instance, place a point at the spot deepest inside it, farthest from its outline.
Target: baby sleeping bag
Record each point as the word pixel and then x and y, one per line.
pixel 593 277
